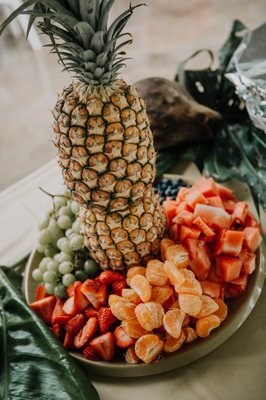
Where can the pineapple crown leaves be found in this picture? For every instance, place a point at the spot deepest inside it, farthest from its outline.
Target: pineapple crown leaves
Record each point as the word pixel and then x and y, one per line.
pixel 79 34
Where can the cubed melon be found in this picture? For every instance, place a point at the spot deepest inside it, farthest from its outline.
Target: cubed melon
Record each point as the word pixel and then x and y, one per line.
pixel 188 232
pixel 195 197
pixel 240 212
pixel 228 268
pixel 213 216
pixel 215 201
pixel 207 187
pixel 248 259
pixel 252 238
pixel 206 230
pixel 199 257
pixel 210 288
pixel 183 217
pixel 230 243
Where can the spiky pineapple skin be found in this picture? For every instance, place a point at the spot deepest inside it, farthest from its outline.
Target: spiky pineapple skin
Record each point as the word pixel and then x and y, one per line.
pixel 106 152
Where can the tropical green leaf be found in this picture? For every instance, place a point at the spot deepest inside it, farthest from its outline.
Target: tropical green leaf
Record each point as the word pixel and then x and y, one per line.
pixel 34 364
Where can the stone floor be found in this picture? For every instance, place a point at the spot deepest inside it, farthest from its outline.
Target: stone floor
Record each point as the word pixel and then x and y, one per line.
pixel 165 33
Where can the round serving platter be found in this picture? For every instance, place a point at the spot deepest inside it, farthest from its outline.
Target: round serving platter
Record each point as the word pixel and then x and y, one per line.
pixel 239 309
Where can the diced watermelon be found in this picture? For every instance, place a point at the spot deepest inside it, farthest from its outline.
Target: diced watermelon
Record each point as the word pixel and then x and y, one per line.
pixel 183 206
pixel 188 232
pixel 169 207
pixel 241 280
pixel 206 230
pixel 230 243
pixel 173 232
pixel 183 191
pixel 251 221
pixel 184 217
pixel 208 187
pixel 195 197
pixel 212 276
pixel 213 216
pixel 252 238
pixel 224 192
pixel 229 205
pixel 215 201
pixel 248 259
pixel 228 268
pixel 240 212
pixel 199 257
pixel 233 291
pixel 210 288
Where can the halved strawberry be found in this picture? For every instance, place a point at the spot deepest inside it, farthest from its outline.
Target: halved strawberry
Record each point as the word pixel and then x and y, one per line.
pixel 122 339
pixel 90 312
pixel 58 331
pixel 106 319
pixel 40 293
pixel 44 308
pixel 110 277
pixel 69 306
pixel 68 341
pixel 118 286
pixel 86 333
pixel 59 316
pixel 95 292
pixel 70 289
pixel 75 324
pixel 90 354
pixel 104 345
pixel 80 301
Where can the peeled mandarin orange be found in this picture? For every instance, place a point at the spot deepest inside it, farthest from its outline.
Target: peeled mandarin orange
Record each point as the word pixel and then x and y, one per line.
pixel 190 304
pixel 149 315
pixel 155 273
pixel 123 310
pixel 131 296
pixel 113 298
pixel 221 312
pixel 161 294
pixel 133 328
pixel 209 306
pixel 186 321
pixel 190 286
pixel 148 348
pixel 142 287
pixel 131 356
pixel 205 325
pixel 165 243
pixel 172 322
pixel 171 344
pixel 178 255
pixel 190 334
pixel 136 270
pixel 174 274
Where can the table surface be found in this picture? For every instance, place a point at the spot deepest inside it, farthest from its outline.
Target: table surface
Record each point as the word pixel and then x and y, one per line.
pixel 236 370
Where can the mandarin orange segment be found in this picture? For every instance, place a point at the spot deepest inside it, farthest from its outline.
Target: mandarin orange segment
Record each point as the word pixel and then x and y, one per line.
pixel 131 356
pixel 123 310
pixel 133 328
pixel 172 322
pixel 186 320
pixel 155 273
pixel 136 270
pixel 171 344
pixel 190 286
pixel 131 296
pixel 190 304
pixel 148 348
pixel 149 315
pixel 190 334
pixel 161 294
pixel 113 298
pixel 142 287
pixel 222 310
pixel 165 243
pixel 178 255
pixel 209 306
pixel 174 274
pixel 205 325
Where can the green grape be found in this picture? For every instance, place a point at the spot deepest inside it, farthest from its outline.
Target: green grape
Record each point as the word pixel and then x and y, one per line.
pixel 63 244
pixel 76 226
pixel 60 291
pixel 81 275
pixel 76 242
pixel 52 266
pixel 49 287
pixel 69 233
pixel 63 257
pixel 49 277
pixel 59 201
pixel 74 207
pixel 65 267
pixel 55 230
pixel 50 251
pixel 64 222
pixel 37 274
pixel 68 279
pixel 45 237
pixel 44 262
pixel 90 267
pixel 44 224
pixel 40 248
pixel 66 210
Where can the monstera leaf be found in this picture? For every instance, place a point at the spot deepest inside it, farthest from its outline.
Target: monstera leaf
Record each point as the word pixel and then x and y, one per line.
pixel 238 149
pixel 33 364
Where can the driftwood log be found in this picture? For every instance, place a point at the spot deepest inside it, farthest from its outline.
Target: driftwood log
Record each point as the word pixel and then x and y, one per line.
pixel 174 115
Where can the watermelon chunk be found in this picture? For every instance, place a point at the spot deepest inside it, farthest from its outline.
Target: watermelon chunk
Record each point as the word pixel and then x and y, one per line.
pixel 230 243
pixel 206 230
pixel 199 257
pixel 188 232
pixel 228 267
pixel 213 216
pixel 215 201
pixel 248 259
pixel 184 217
pixel 240 212
pixel 252 238
pixel 195 197
pixel 210 288
pixel 207 187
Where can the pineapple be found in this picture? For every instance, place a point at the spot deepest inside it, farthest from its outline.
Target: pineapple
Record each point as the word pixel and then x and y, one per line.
pixel 102 132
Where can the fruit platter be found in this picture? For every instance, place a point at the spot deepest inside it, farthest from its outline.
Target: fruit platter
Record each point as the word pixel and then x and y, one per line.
pixel 140 322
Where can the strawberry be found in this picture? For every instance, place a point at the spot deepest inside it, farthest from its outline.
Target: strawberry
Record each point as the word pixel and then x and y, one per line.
pixel 109 276
pixel 122 339
pixel 80 301
pixel 70 290
pixel 75 324
pixel 118 286
pixel 59 316
pixel 44 308
pixel 40 293
pixel 104 345
pixel 69 306
pixel 90 354
pixel 91 312
pixel 95 292
pixel 68 341
pixel 58 331
pixel 106 319
pixel 86 333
